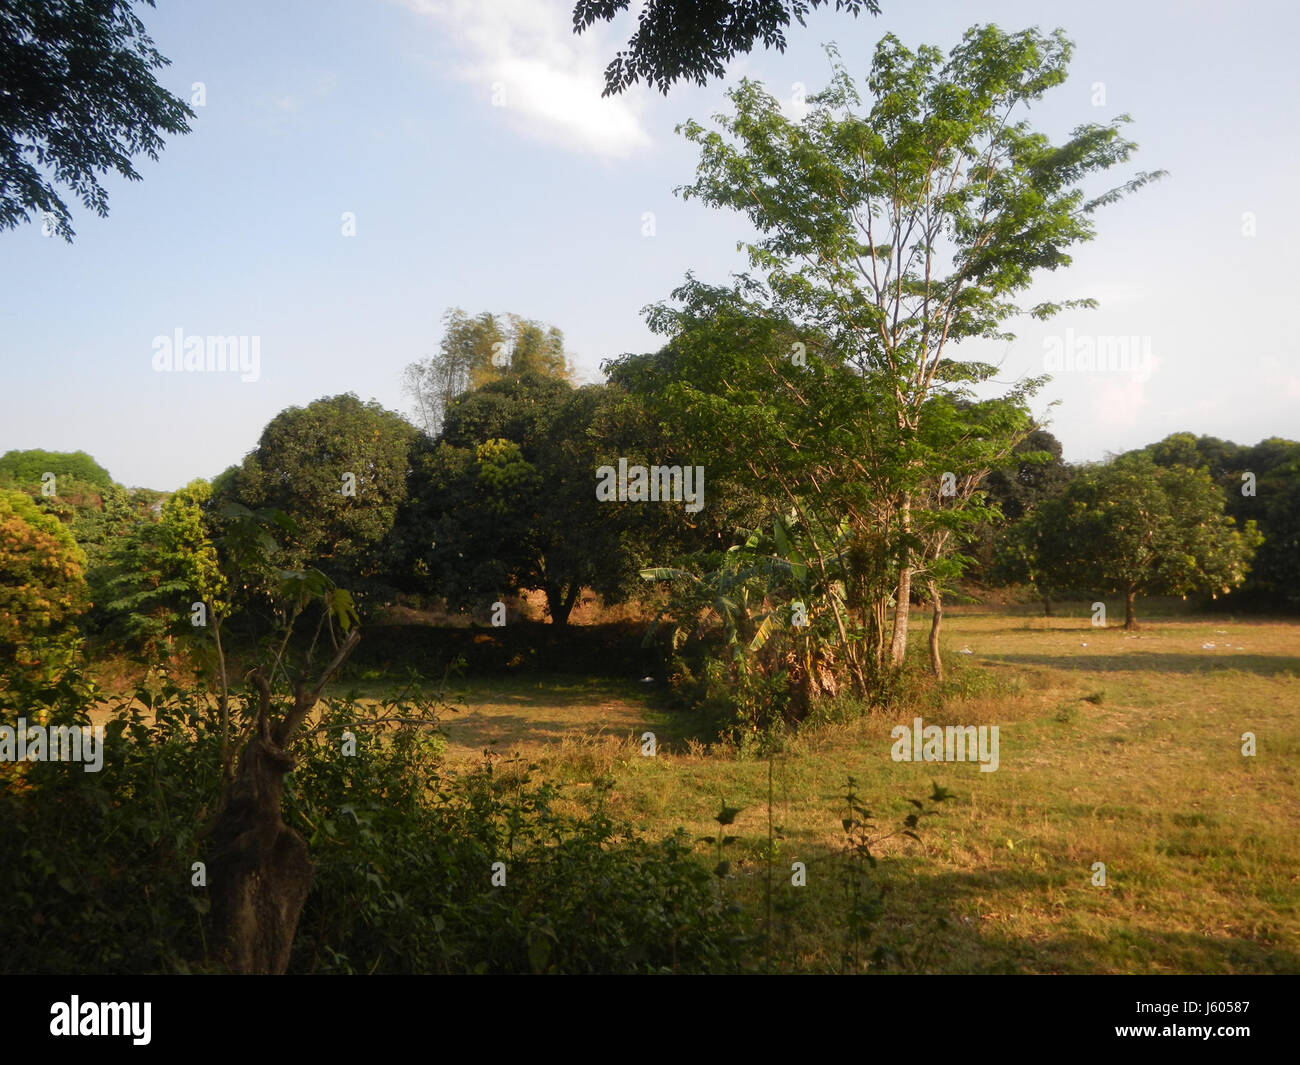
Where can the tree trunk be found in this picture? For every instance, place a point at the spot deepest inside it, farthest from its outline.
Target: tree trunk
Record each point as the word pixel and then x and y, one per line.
pixel 1047 607
pixel 903 602
pixel 259 875
pixel 936 620
pixel 1130 609
pixel 560 603
pixel 258 872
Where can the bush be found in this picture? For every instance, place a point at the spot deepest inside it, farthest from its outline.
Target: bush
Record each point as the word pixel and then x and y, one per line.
pixel 96 869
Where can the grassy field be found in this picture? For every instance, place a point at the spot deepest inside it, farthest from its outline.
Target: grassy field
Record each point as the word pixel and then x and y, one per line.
pixel 1120 748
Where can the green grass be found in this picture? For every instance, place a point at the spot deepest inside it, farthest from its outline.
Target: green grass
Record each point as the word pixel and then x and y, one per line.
pixel 1116 747
pixel 1126 751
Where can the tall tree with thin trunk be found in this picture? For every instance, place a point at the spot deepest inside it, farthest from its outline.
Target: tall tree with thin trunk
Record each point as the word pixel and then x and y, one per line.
pixel 893 231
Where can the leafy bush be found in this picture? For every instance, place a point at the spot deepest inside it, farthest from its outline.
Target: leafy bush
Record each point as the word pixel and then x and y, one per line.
pixel 96 869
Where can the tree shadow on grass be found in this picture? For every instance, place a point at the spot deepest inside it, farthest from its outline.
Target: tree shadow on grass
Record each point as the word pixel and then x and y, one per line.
pixel 479 730
pixel 960 943
pixel 1150 662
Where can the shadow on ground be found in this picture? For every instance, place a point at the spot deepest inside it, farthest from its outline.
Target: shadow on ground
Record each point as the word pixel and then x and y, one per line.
pixel 1149 662
pixel 923 924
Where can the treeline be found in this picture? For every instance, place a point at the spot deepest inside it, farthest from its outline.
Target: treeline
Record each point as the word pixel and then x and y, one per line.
pixel 504 499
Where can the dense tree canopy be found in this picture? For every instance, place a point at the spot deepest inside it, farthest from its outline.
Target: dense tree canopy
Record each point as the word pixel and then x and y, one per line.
pixel 1131 527
pixel 42 574
pixel 338 469
pixel 504 501
pixel 158 569
pixel 1261 483
pixel 25 469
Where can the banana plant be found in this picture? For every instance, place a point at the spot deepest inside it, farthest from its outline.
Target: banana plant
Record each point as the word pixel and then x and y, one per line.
pixel 779 580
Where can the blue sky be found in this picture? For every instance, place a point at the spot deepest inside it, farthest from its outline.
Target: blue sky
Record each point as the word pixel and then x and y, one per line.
pixel 535 203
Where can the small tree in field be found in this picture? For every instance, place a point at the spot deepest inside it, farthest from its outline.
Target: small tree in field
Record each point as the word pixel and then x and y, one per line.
pixel 1132 528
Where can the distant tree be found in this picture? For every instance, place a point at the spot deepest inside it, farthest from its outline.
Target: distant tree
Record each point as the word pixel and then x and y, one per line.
pixel 476 351
pixel 1275 572
pixel 78 99
pixel 42 575
pixel 694 39
pixel 506 501
pixel 1131 528
pixel 26 469
pixel 1037 473
pixel 337 469
pixel 158 569
pixel 1259 483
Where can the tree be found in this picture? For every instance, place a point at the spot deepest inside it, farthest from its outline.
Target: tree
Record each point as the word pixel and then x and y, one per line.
pixel 1037 474
pixel 28 469
pixel 79 99
pixel 1132 528
pixel 1275 573
pixel 477 351
pixel 157 570
pixel 506 500
pixel 337 469
pixel 1260 483
pixel 260 871
pixel 678 39
pixel 42 575
pixel 887 238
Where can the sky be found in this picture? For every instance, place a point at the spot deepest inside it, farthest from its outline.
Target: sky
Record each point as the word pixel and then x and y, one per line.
pixel 358 167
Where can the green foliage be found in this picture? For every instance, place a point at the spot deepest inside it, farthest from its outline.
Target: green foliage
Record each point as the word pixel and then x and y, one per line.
pixel 97 867
pixel 24 469
pixel 156 570
pixel 505 500
pixel 98 517
pixel 1259 483
pixel 1131 527
pixel 299 468
pixel 42 575
pixel 774 616
pixel 404 879
pixel 684 39
pixel 886 235
pixel 477 351
pixel 80 100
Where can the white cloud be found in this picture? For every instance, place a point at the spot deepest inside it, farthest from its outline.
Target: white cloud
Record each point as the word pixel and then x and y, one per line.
pixel 551 77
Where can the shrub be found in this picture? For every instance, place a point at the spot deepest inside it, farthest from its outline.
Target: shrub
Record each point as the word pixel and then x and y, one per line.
pixel 96 869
